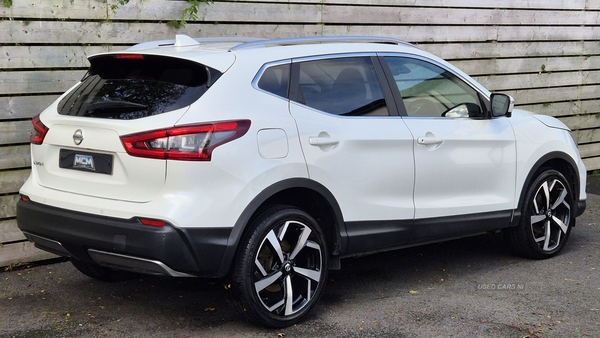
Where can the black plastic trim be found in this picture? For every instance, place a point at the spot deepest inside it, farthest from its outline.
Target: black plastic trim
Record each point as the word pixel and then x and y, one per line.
pixel 194 251
pixel 581 206
pixel 392 86
pixel 384 83
pixel 260 200
pixel 534 170
pixel 440 228
pixel 373 236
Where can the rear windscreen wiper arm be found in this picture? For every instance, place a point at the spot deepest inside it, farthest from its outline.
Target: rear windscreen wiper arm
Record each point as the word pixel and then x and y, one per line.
pixel 100 105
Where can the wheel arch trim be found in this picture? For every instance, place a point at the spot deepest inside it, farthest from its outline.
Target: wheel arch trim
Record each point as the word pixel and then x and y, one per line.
pixel 557 155
pixel 246 216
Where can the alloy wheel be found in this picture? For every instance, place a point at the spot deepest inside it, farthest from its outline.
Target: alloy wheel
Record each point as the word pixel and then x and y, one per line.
pixel 550 214
pixel 288 268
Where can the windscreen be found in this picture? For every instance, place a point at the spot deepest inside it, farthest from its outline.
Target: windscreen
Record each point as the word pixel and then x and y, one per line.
pixel 133 86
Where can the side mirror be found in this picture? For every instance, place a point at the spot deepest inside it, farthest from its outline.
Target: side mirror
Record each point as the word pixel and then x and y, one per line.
pixel 502 105
pixel 464 110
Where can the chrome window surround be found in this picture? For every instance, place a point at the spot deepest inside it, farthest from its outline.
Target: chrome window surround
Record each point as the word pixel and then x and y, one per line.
pixel 337 56
pixel 314 58
pixel 302 59
pixel 262 70
pixel 438 64
pixel 360 54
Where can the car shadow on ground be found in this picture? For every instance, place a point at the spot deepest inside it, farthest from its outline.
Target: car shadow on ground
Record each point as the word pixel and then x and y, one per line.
pixel 56 300
pixel 411 266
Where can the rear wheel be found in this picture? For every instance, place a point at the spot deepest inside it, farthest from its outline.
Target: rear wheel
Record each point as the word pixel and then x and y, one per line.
pixel 281 268
pixel 546 217
pixel 102 273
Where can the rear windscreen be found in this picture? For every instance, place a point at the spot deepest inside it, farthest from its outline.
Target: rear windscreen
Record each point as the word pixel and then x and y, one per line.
pixel 133 86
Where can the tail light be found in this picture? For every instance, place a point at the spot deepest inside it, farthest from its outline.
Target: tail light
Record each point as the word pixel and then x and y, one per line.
pixel 40 130
pixel 188 143
pixel 152 222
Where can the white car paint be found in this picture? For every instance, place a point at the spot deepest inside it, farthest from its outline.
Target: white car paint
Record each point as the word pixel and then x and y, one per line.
pixel 376 168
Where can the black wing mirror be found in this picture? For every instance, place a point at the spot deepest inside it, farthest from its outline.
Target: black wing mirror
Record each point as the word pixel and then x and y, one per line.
pixel 502 105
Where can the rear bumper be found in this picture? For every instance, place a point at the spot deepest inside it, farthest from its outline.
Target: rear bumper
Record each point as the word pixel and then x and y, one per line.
pixel 124 243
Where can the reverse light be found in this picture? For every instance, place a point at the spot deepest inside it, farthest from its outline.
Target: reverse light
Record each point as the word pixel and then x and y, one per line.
pixel 187 143
pixel 40 130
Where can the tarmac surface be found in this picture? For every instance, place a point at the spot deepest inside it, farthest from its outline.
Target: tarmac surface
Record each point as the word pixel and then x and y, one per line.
pixel 471 287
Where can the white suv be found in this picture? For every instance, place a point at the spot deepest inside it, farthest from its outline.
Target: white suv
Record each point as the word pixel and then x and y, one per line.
pixel 267 161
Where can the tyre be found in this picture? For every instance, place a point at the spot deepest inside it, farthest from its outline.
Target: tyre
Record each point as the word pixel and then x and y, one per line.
pixel 546 217
pixel 281 268
pixel 102 273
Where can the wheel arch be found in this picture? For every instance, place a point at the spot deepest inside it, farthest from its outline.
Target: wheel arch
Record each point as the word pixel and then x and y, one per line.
pixel 556 160
pixel 305 194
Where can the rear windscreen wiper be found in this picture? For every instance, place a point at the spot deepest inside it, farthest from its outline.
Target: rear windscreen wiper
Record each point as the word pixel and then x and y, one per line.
pixel 114 104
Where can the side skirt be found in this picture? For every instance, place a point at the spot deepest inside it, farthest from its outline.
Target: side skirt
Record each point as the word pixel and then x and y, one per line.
pixel 365 237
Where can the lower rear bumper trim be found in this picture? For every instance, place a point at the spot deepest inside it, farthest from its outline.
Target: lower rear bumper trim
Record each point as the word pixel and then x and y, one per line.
pixel 135 264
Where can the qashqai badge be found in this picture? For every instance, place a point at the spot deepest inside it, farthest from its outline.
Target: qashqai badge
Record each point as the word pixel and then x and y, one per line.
pixel 78 137
pixel 84 162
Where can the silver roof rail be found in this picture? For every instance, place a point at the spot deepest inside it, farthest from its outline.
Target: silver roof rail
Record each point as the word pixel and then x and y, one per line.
pixel 247 43
pixel 320 39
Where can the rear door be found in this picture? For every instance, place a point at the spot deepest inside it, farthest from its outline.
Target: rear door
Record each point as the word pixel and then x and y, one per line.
pixel 356 147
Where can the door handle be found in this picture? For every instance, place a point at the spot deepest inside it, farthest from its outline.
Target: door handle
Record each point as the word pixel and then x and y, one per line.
pixel 323 141
pixel 426 141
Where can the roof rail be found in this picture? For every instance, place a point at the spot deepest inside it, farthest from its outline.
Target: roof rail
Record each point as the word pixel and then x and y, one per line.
pixel 319 39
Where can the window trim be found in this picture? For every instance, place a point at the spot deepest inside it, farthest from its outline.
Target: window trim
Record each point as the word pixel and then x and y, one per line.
pixel 393 98
pixel 387 92
pixel 482 96
pixel 295 75
pixel 262 70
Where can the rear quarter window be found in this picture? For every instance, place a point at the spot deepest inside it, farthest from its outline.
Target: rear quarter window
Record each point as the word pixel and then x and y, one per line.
pixel 275 80
pixel 133 86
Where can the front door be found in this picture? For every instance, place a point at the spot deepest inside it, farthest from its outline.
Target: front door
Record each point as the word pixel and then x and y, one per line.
pixel 465 162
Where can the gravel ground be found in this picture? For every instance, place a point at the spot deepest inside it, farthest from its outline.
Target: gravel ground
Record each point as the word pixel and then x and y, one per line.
pixel 471 287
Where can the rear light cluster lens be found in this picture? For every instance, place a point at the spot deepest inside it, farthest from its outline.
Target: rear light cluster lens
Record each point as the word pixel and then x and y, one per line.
pixel 40 130
pixel 152 222
pixel 188 143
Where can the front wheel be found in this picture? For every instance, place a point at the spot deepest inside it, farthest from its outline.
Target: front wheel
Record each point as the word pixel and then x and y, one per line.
pixel 281 269
pixel 546 217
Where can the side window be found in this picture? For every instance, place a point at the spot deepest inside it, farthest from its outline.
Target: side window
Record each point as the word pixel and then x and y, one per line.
pixel 428 90
pixel 341 86
pixel 275 80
